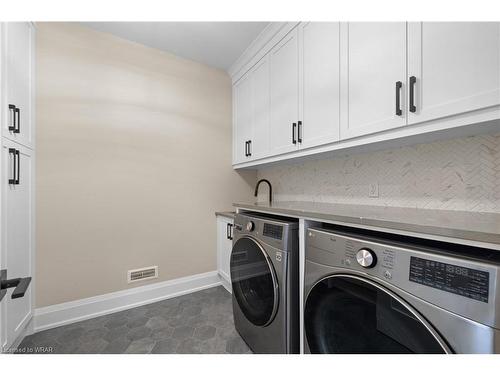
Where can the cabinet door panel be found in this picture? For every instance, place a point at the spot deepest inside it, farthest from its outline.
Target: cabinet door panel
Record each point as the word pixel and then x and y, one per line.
pixel 224 247
pixel 260 110
pixel 242 118
pixel 18 50
pixel 375 59
pixel 457 67
pixel 221 233
pixel 17 237
pixel 320 82
pixel 284 93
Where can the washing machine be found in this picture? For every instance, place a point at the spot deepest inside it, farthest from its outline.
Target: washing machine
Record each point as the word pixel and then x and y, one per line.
pixel 371 292
pixel 264 278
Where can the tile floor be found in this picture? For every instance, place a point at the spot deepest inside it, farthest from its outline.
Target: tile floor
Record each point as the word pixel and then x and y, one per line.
pixel 200 322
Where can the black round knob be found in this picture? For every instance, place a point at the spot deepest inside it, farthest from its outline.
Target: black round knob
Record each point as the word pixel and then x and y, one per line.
pixel 366 258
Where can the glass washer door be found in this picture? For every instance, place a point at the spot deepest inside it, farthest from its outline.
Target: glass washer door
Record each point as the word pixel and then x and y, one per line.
pixel 348 314
pixel 254 282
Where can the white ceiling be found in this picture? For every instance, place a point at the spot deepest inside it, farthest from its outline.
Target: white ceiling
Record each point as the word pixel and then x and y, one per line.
pixel 217 44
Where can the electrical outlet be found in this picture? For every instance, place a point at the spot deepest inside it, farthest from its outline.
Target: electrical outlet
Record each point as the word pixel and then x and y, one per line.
pixel 373 190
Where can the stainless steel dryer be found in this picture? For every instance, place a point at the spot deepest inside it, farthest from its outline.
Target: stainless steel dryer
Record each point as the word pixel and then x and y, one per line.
pixel 264 278
pixel 391 294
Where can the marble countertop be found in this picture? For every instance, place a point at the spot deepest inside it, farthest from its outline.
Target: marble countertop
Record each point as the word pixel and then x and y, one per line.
pixel 229 214
pixel 464 227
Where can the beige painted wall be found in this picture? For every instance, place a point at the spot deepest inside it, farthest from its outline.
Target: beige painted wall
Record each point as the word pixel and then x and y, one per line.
pixel 133 158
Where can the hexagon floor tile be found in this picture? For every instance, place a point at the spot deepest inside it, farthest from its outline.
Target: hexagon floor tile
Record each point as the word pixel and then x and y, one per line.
pixel 200 322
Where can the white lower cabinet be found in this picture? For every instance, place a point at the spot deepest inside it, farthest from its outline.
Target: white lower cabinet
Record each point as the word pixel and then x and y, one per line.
pixel 224 248
pixel 17 230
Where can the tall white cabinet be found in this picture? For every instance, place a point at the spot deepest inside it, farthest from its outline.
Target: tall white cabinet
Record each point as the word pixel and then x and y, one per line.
pixel 17 41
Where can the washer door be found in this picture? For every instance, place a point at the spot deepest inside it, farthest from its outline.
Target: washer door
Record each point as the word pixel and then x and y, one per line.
pixel 349 314
pixel 254 282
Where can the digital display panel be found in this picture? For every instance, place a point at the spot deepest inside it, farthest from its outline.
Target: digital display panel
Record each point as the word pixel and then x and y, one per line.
pixel 273 231
pixel 459 280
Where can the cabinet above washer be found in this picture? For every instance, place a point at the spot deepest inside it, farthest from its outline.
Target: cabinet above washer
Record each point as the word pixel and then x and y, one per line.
pixel 331 87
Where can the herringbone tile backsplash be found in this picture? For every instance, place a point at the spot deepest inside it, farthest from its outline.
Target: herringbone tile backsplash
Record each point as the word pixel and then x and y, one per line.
pixel 459 174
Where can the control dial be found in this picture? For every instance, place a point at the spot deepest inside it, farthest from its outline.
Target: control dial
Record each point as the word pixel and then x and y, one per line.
pixel 366 258
pixel 250 226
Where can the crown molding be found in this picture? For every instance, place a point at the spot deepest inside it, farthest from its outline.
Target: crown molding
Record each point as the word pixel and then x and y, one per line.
pixel 259 47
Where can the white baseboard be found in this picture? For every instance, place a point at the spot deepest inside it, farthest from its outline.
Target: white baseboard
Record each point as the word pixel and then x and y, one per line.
pixel 75 311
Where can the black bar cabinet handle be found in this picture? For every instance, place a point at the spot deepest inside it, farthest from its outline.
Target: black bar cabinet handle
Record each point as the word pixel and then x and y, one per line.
pixel 12 109
pixel 246 148
pixel 294 126
pixel 12 180
pixel 299 131
pixel 250 148
pixel 18 157
pixel 229 231
pixel 18 122
pixel 413 81
pixel 399 84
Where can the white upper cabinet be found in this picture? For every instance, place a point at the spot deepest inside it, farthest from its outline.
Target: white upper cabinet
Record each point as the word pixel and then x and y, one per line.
pixel 319 87
pixel 18 42
pixel 319 104
pixel 284 94
pixel 373 77
pixel 251 113
pixel 456 68
pixel 259 145
pixel 242 112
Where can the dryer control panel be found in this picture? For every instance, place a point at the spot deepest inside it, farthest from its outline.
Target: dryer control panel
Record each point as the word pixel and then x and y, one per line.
pixel 465 285
pixel 463 281
pixel 273 231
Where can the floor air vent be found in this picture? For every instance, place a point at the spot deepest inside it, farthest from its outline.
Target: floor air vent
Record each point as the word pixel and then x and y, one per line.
pixel 142 274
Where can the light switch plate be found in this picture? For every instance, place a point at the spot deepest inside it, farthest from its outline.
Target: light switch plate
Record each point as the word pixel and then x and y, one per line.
pixel 373 190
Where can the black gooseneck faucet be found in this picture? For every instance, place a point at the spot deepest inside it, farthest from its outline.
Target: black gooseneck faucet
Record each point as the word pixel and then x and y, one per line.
pixel 270 189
